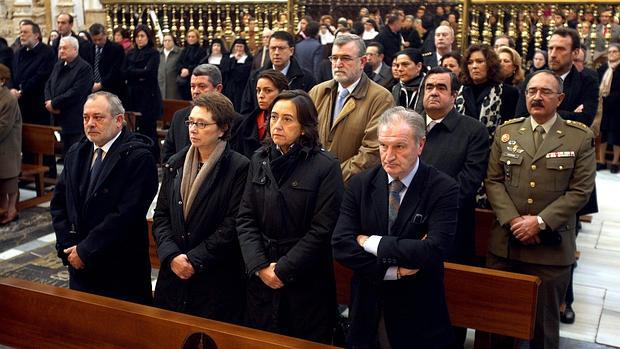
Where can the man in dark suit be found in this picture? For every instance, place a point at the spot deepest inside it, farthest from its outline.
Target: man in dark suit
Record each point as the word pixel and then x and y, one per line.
pixel 580 89
pixel 107 60
pixel 66 91
pixel 281 50
pixel 100 204
pixel 396 224
pixel 261 56
pixel 205 78
pixel 381 72
pixel 444 38
pixel 309 51
pixel 390 38
pixel 32 67
pixel 64 23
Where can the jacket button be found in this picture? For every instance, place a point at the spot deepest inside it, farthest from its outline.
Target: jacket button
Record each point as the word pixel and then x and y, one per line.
pixel 533 167
pixel 295 183
pixel 180 202
pixel 530 201
pixel 264 162
pixel 561 167
pixel 533 184
pixel 262 180
pixel 508 162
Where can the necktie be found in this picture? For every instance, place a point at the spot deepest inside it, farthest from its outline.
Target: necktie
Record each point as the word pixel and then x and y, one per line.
pixel 342 97
pixel 96 73
pixel 538 136
pixel 430 126
pixel 394 202
pixel 95 169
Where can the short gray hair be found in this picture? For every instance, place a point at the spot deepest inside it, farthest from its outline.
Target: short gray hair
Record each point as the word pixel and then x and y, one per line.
pixel 410 117
pixel 115 106
pixel 213 72
pixel 549 72
pixel 71 41
pixel 346 38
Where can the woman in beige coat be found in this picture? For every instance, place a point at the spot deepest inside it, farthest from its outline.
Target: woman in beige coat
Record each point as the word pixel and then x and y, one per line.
pixel 10 149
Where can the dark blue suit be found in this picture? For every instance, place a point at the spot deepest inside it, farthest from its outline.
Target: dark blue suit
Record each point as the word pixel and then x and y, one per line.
pixel 414 307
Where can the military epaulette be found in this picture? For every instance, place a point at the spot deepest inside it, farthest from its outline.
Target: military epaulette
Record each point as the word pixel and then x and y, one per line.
pixel 513 121
pixel 577 124
pixel 426 54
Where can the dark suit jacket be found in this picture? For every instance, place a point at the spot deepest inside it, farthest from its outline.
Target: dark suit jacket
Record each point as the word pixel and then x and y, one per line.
pixel 459 147
pixel 67 88
pixel 109 225
pixel 110 66
pixel 31 70
pixel 258 56
pixel 384 78
pixel 177 137
pixel 579 88
pixel 414 307
pixel 391 43
pixel 309 53
pixel 430 59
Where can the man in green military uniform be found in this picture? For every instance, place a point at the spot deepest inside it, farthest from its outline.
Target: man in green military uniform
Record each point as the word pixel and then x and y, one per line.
pixel 541 172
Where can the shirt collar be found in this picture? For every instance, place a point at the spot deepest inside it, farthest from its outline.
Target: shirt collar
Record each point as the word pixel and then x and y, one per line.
pixel 408 178
pixel 106 147
pixel 378 70
pixel 546 126
pixel 285 69
pixel 437 121
pixel 563 76
pixel 351 87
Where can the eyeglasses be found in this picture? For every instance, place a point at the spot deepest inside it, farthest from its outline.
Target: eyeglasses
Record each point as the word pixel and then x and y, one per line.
pixel 546 92
pixel 201 125
pixel 344 59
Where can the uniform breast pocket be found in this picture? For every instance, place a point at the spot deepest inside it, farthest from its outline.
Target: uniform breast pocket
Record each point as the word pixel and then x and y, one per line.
pixel 561 169
pixel 512 168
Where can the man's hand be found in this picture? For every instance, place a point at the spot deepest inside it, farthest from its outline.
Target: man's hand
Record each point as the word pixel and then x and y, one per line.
pixel 525 229
pixel 181 266
pixel 579 109
pixel 17 94
pixel 361 240
pixel 404 272
pixel 184 72
pixel 96 86
pixel 73 257
pixel 50 108
pixel 269 277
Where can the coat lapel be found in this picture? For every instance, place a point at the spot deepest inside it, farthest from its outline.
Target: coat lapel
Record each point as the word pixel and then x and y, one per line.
pixel 380 194
pixel 412 198
pixel 109 161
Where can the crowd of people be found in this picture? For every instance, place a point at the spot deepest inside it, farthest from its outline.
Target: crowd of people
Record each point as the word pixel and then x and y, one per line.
pixel 371 143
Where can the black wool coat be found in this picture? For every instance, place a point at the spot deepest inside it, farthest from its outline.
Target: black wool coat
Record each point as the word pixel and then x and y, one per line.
pixel 109 226
pixel 245 134
pixel 140 72
pixel 110 65
pixel 291 225
pixel 208 237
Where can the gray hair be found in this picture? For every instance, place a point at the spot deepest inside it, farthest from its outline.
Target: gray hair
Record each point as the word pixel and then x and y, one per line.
pixel 401 114
pixel 115 106
pixel 449 27
pixel 213 72
pixel 346 38
pixel 71 41
pixel 546 71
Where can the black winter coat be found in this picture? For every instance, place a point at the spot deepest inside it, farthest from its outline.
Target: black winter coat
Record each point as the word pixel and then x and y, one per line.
pixel 109 226
pixel 245 135
pixel 236 76
pixel 291 225
pixel 140 72
pixel 208 237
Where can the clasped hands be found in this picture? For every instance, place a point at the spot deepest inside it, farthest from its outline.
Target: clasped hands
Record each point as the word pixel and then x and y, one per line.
pixel 50 108
pixel 525 229
pixel 182 267
pixel 401 271
pixel 268 277
pixel 73 257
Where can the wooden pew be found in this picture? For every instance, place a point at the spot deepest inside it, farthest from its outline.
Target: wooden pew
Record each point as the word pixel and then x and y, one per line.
pixel 484 222
pixel 171 106
pixel 43 316
pixel 39 141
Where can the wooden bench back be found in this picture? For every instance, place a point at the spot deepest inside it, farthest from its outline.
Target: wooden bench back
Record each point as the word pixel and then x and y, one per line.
pixel 43 316
pixel 483 299
pixel 171 106
pixel 38 139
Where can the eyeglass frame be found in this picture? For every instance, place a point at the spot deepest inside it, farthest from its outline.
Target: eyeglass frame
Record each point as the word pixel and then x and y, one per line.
pixel 197 124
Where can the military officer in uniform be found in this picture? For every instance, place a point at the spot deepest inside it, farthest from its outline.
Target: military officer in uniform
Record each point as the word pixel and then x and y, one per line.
pixel 541 172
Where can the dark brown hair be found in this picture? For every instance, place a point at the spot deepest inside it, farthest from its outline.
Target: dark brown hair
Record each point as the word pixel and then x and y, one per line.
pixel 306 115
pixel 221 109
pixel 492 61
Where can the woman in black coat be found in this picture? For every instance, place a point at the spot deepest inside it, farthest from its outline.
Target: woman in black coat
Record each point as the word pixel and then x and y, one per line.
pixel 140 70
pixel 250 131
pixel 190 57
pixel 483 96
pixel 238 72
pixel 201 270
pixel 286 218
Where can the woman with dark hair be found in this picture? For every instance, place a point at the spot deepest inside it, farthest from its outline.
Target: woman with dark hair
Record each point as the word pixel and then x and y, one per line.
pixel 140 70
pixel 286 217
pixel 250 132
pixel 483 96
pixel 121 37
pixel 190 57
pixel 510 66
pixel 238 71
pixel 539 62
pixel 10 149
pixel 410 65
pixel 453 61
pixel 201 269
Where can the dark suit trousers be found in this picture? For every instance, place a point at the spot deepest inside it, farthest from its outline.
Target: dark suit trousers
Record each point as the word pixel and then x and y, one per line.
pixel 551 293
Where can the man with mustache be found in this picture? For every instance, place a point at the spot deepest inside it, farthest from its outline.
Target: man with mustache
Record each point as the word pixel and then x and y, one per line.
pixel 541 173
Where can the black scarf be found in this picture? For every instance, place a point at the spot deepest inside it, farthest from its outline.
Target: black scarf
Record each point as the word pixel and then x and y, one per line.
pixel 283 165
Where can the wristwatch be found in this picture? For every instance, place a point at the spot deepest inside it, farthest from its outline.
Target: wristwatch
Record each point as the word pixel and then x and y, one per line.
pixel 541 224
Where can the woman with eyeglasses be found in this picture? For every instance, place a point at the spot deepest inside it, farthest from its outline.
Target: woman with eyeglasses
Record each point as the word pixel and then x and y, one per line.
pixel 201 270
pixel 249 133
pixel 286 218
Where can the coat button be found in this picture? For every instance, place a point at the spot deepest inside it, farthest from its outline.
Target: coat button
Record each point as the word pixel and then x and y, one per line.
pixel 533 184
pixel 264 162
pixel 561 167
pixel 180 202
pixel 533 167
pixel 262 180
pixel 530 201
pixel 295 183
